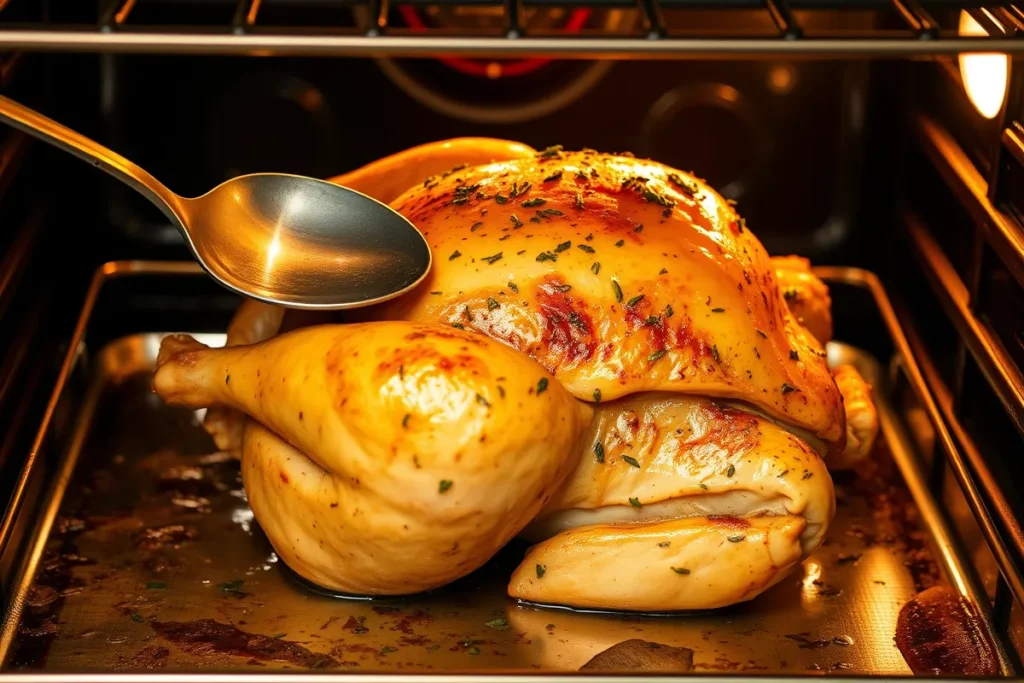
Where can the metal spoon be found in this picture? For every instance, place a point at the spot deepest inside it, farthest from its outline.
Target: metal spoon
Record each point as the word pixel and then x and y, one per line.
pixel 284 239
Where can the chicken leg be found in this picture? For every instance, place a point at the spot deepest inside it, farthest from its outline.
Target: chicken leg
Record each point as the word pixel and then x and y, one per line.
pixel 397 441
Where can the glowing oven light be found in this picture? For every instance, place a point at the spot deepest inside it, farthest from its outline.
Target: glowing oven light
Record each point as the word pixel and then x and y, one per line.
pixel 985 75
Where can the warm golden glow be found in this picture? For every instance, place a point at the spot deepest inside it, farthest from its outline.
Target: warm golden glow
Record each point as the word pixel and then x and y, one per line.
pixel 985 75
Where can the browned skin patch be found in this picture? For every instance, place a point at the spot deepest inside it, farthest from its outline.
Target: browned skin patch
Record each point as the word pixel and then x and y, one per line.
pixel 729 522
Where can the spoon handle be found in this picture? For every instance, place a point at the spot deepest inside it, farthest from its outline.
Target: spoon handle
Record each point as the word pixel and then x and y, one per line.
pixel 62 137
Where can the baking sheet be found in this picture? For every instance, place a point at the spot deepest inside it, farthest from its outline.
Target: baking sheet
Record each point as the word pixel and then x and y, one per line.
pixel 153 562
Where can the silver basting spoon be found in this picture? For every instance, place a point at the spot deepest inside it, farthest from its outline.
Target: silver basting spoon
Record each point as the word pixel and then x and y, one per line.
pixel 284 239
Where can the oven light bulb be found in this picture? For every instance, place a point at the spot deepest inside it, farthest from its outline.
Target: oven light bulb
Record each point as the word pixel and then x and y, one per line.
pixel 985 75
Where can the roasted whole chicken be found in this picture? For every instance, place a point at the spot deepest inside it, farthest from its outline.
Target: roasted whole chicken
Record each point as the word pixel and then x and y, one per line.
pixel 604 361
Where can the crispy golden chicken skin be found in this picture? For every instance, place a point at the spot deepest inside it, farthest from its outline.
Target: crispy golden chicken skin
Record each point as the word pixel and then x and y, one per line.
pixel 700 505
pixel 689 460
pixel 388 458
pixel 619 276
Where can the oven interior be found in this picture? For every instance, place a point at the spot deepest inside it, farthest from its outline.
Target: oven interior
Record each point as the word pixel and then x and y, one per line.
pixel 849 132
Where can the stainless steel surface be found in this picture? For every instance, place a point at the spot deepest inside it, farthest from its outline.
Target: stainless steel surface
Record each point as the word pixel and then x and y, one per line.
pixel 133 464
pixel 697 47
pixel 285 239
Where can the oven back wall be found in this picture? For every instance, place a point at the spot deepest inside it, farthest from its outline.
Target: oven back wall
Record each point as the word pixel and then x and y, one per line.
pixel 768 134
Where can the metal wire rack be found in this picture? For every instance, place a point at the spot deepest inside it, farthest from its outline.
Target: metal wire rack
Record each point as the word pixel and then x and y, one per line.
pixel 900 28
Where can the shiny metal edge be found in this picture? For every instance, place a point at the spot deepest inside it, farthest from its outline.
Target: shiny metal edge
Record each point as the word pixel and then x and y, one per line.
pixel 972 190
pixel 260 45
pixel 956 459
pixel 945 542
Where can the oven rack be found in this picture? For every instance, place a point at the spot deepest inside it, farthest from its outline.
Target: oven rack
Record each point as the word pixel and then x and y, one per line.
pixel 905 28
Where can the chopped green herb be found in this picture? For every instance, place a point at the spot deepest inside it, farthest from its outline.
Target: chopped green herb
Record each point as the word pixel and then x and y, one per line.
pixel 473 650
pixel 552 151
pixel 793 355
pixel 656 355
pixel 501 391
pixel 620 243
pixel 668 311
pixel 492 259
pixel 137 618
pixel 156 586
pixel 703 486
pixel 516 223
pixel 557 175
pixel 714 352
pixel 387 649
pixel 563 288
pixel 562 247
pixel 586 247
pixel 718 310
pixel 790 294
pixel 547 256
pixel 536 201
pixel 595 268
pixel 514 287
pixel 279 635
pixel 482 401
pixel 639 228
pixel 761 332
pixel 466 313
pixel 576 321
pixel 631 460
pixel 455 254
pixel 589 236
pixel 437 293
pixel 617 290
pixel 663 271
pixel 635 300
pixel 731 471
pixel 578 201
pixel 542 385
pixel 492 303
pixel 475 227
pixel 500 199
pixel 597 395
pixel 652 320
pixel 599 451
pixel 405 420
pixel 540 571
pixel 458 326
pixel 635 502
pixel 786 388
pixel 444 485
pixel 680 570
pixel 497 625
pixel 664 544
pixel 736 539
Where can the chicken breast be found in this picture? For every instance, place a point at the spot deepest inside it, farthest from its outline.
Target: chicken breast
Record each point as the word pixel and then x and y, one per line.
pixel 375 444
pixel 618 276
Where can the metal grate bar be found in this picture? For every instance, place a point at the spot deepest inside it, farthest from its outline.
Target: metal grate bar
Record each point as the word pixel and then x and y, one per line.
pixel 917 18
pixel 431 46
pixel 653 21
pixel 783 19
pixel 377 18
pixel 990 21
pixel 513 18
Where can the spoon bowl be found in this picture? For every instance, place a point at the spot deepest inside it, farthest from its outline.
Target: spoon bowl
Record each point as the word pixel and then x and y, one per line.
pixel 284 239
pixel 297 248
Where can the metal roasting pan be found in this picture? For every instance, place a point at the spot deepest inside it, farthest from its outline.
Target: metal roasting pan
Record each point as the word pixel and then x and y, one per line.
pixel 126 524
